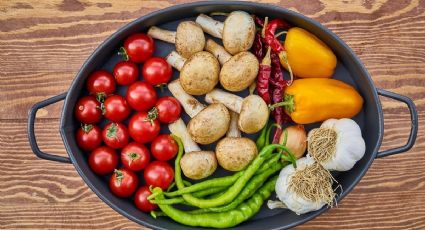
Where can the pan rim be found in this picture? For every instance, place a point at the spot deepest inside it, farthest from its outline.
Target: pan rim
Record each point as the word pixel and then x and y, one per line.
pixel 355 60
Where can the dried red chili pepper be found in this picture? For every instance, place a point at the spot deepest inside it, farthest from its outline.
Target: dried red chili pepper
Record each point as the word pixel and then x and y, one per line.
pixel 269 34
pixel 263 78
pixel 258 48
pixel 278 87
pixel 259 21
pixel 271 40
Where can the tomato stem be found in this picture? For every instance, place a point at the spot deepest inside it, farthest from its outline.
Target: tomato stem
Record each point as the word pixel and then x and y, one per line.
pixel 86 128
pixel 123 53
pixel 118 175
pixel 152 115
pixel 111 132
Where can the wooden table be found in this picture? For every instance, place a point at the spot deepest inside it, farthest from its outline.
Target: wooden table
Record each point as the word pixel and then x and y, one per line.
pixel 44 43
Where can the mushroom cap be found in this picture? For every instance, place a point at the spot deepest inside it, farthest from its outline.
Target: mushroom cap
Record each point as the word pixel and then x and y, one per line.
pixel 238 32
pixel 199 164
pixel 200 73
pixel 210 124
pixel 239 72
pixel 254 114
pixel 190 39
pixel 235 153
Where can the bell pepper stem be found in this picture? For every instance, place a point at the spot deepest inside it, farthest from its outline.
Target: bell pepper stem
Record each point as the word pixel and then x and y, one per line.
pixel 283 57
pixel 288 103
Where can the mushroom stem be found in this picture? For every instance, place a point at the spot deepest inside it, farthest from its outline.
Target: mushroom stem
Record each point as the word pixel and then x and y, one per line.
pixel 210 25
pixel 179 129
pixel 190 105
pixel 175 60
pixel 233 126
pixel 163 35
pixel 218 51
pixel 231 101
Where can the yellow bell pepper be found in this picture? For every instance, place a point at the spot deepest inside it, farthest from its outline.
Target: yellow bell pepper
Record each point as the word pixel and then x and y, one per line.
pixel 308 56
pixel 317 99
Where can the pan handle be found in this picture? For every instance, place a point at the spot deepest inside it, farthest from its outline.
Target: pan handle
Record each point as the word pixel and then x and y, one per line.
pixel 413 118
pixel 31 134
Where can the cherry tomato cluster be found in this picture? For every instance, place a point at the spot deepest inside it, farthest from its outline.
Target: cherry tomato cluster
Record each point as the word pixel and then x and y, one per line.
pixel 131 144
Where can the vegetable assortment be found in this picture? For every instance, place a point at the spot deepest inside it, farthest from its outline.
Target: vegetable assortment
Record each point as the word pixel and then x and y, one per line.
pixel 288 72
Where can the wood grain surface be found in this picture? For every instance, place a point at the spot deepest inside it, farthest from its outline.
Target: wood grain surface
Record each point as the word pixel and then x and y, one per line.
pixel 44 43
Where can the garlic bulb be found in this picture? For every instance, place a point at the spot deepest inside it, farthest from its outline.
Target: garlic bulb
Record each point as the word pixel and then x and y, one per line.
pixel 306 188
pixel 337 144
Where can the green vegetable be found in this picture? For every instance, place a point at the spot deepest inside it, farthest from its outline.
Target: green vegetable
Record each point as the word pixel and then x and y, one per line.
pixel 250 188
pixel 220 219
pixel 180 200
pixel 235 189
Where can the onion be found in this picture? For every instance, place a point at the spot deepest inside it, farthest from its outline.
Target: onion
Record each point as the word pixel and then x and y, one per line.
pixel 295 139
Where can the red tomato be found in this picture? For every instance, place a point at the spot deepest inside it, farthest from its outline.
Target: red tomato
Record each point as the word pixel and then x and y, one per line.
pixel 89 137
pixel 142 129
pixel 135 156
pixel 101 83
pixel 126 72
pixel 138 47
pixel 159 174
pixel 123 182
pixel 168 109
pixel 157 71
pixel 116 108
pixel 164 147
pixel 103 160
pixel 141 96
pixel 87 110
pixel 115 135
pixel 141 199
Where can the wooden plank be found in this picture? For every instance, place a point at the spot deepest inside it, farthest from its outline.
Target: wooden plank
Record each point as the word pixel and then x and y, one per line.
pixel 52 44
pixel 44 43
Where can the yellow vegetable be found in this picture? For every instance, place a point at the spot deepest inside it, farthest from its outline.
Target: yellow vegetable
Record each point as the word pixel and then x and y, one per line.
pixel 308 56
pixel 317 99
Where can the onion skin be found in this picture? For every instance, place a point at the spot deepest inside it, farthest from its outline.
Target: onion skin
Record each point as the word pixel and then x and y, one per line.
pixel 296 140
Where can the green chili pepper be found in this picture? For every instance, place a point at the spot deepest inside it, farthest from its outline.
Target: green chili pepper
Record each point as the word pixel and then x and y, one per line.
pixel 234 190
pixel 221 219
pixel 250 188
pixel 180 200
pixel 261 140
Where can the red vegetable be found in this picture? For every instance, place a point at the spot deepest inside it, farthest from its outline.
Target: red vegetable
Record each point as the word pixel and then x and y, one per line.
pixel 142 129
pixel 137 48
pixel 269 34
pixel 89 137
pixel 101 84
pixel 264 77
pixel 116 108
pixel 164 147
pixel 159 174
pixel 258 47
pixel 135 156
pixel 87 110
pixel 123 182
pixel 115 135
pixel 103 160
pixel 141 199
pixel 156 71
pixel 141 96
pixel 126 72
pixel 278 86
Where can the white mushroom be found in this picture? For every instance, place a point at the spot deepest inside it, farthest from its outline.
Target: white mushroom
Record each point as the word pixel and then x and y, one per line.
pixel 198 74
pixel 253 111
pixel 204 127
pixel 237 72
pixel 234 152
pixel 237 31
pixel 195 163
pixel 189 37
